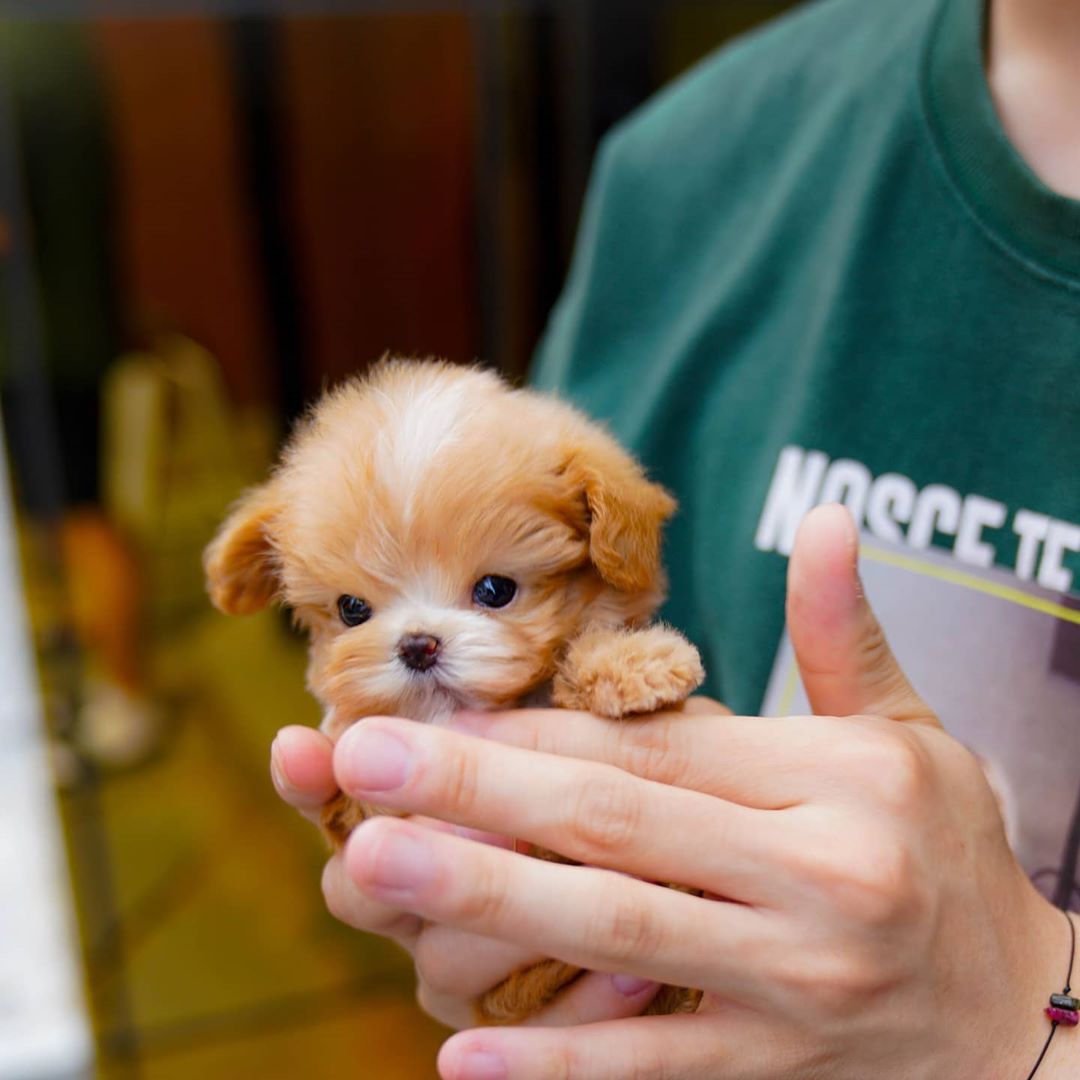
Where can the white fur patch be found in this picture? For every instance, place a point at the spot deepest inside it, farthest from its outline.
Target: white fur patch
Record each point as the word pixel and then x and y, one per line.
pixel 423 424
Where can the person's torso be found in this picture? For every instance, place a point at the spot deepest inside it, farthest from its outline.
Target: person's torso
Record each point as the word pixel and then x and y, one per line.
pixel 797 284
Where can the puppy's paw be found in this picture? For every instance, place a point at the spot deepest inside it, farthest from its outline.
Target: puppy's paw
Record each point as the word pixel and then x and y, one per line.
pixel 525 992
pixel 618 673
pixel 339 817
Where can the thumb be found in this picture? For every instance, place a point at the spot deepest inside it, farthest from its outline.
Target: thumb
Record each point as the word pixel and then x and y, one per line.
pixel 846 664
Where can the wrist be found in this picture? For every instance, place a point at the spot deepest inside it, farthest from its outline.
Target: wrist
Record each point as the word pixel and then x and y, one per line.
pixel 1052 962
pixel 1021 958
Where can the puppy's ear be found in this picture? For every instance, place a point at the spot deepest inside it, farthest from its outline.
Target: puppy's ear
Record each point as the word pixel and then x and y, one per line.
pixel 240 573
pixel 626 514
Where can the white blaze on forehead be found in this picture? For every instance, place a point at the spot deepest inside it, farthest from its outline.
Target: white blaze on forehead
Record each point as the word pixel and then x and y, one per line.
pixel 421 425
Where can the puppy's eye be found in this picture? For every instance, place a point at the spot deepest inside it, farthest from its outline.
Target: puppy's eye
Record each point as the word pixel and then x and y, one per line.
pixel 353 610
pixel 493 591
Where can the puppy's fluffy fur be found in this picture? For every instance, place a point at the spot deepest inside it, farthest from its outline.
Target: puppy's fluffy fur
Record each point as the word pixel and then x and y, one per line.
pixel 406 488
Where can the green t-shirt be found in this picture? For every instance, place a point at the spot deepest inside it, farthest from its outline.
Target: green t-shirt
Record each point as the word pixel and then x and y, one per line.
pixel 815 269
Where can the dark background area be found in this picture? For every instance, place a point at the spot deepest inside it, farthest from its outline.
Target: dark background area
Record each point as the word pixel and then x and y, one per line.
pixel 300 187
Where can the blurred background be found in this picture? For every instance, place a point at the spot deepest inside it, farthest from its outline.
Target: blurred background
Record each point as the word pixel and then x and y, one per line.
pixel 207 213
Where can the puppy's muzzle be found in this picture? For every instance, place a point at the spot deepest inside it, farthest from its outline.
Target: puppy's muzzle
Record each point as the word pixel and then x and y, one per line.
pixel 419 651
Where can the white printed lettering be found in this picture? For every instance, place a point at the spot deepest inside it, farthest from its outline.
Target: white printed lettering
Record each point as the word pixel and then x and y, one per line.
pixel 792 493
pixel 937 509
pixel 803 479
pixel 1060 537
pixel 847 482
pixel 1031 528
pixel 978 514
pixel 892 499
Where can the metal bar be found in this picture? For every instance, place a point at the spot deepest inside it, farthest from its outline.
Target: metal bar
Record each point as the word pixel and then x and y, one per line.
pixel 33 425
pixel 489 196
pixel 256 84
pixel 576 107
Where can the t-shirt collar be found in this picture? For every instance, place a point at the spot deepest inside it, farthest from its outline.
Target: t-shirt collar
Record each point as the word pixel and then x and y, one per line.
pixel 1006 197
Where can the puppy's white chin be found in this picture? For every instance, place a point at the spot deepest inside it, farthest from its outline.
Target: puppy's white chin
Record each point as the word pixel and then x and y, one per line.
pixel 437 701
pixel 429 701
pixel 438 709
pixel 423 700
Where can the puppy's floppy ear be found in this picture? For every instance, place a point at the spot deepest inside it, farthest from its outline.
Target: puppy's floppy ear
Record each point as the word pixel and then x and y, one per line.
pixel 240 573
pixel 626 514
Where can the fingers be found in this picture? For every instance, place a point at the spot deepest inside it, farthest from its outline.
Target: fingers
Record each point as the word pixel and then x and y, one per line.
pixel 588 811
pixel 646 1048
pixel 591 998
pixel 352 907
pixel 465 964
pixel 845 662
pixel 607 921
pixel 301 766
pixel 449 1009
pixel 455 967
pixel 756 762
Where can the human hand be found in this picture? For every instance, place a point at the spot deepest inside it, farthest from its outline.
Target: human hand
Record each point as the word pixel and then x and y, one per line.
pixel 870 919
pixel 454 967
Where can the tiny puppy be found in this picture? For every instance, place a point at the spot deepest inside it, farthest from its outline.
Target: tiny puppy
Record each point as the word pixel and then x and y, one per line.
pixel 448 542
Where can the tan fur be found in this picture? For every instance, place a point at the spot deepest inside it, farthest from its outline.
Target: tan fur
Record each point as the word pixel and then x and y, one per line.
pixel 525 992
pixel 617 673
pixel 340 816
pixel 406 487
pixel 239 564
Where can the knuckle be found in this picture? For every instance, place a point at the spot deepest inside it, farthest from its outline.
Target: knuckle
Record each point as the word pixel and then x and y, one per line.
pixel 903 773
pixel 484 902
pixel 891 764
pixel 648 750
pixel 605 816
pixel 834 984
pixel 459 787
pixel 881 891
pixel 869 879
pixel 563 1063
pixel 624 930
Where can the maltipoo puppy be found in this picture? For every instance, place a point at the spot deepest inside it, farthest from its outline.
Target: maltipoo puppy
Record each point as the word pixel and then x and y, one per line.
pixel 449 542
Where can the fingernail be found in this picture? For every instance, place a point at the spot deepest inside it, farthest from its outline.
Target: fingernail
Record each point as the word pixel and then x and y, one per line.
pixel 483 1065
pixel 376 760
pixel 631 985
pixel 402 863
pixel 276 772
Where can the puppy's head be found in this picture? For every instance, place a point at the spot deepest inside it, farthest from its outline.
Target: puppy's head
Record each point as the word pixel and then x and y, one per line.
pixel 441 536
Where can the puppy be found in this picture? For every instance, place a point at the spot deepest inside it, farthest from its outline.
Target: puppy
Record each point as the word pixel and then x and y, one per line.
pixel 448 542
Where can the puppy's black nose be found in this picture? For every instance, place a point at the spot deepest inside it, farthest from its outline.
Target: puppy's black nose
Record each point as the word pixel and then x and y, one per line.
pixel 419 651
